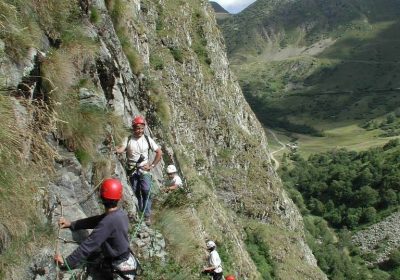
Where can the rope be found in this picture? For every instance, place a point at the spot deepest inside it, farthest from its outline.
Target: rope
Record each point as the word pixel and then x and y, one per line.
pixel 58 237
pixel 87 196
pixel 69 269
pixel 67 241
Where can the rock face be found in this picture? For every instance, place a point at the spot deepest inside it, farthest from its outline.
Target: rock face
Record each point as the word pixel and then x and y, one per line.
pixel 379 239
pixel 167 60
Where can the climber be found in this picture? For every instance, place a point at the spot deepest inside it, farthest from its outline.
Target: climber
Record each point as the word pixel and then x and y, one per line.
pixel 110 233
pixel 137 148
pixel 214 268
pixel 175 181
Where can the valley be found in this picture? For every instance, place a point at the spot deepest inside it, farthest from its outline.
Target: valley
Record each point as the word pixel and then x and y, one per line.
pixel 323 79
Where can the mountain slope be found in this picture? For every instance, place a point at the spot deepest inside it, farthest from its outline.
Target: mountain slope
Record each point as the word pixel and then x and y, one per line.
pixel 313 66
pixel 74 74
pixel 220 13
pixel 218 8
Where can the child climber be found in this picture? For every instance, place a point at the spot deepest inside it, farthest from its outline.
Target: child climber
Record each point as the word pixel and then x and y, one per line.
pixel 214 267
pixel 175 181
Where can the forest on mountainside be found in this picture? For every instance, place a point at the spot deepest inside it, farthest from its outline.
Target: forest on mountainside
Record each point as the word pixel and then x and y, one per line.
pixel 346 190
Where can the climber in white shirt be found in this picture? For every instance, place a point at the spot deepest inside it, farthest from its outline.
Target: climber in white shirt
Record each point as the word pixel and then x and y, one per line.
pixel 214 267
pixel 175 181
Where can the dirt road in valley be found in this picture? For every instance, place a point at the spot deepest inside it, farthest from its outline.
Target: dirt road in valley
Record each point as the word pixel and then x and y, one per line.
pixel 283 146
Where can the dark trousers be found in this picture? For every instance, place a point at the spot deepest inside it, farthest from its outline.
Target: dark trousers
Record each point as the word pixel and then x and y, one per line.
pixel 217 276
pixel 141 185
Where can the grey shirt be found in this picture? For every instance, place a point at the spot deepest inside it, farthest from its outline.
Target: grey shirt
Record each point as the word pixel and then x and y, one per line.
pixel 110 232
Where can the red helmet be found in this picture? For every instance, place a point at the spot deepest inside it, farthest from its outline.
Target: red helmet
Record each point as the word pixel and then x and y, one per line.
pixel 230 277
pixel 138 120
pixel 111 189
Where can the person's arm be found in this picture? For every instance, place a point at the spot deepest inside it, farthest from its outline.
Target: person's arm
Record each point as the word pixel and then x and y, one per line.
pixel 92 243
pixel 175 184
pixel 172 187
pixel 121 148
pixel 156 160
pixel 209 268
pixel 87 223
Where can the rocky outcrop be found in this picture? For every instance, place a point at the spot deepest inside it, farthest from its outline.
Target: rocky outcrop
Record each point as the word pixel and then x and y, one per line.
pixel 380 239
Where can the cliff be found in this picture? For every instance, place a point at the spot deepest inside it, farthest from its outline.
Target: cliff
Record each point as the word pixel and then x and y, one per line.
pixel 73 74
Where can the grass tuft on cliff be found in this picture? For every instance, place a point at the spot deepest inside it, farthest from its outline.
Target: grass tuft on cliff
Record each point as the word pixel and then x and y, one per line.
pixel 20 227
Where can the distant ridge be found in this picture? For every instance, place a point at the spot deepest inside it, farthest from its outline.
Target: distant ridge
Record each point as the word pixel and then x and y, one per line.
pixel 218 8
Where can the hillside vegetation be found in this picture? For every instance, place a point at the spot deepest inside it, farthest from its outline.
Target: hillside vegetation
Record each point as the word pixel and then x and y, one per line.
pixel 309 67
pixel 346 190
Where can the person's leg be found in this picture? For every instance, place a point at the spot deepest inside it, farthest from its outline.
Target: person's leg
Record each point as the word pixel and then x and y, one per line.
pixel 117 276
pixel 146 195
pixel 136 188
pixel 217 276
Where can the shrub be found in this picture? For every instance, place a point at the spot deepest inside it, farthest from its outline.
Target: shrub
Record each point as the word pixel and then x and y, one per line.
pixel 134 59
pixel 259 252
pixel 156 62
pixel 177 54
pixel 94 15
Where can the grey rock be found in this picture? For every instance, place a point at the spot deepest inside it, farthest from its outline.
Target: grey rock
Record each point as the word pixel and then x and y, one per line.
pixel 91 98
pixel 5 238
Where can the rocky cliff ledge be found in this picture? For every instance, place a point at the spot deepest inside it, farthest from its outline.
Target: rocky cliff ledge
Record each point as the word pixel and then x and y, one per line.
pixel 101 62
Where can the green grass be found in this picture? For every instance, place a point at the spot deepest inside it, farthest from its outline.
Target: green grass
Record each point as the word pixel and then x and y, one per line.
pixel 351 137
pixel 177 54
pixel 156 62
pixel 94 15
pixel 265 242
pixel 176 225
pixel 260 252
pixel 345 135
pixel 19 179
pixel 18 29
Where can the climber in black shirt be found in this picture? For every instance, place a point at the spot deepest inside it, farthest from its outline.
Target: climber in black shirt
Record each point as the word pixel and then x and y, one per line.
pixel 110 233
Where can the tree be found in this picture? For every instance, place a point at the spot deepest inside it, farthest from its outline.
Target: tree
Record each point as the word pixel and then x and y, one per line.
pixel 353 217
pixel 363 179
pixel 367 196
pixel 390 118
pixel 317 207
pixel 368 215
pixel 389 198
